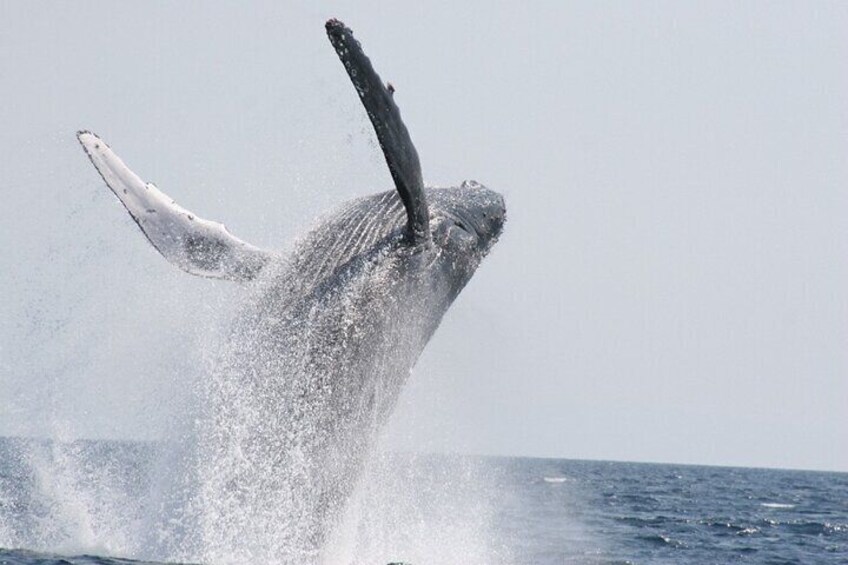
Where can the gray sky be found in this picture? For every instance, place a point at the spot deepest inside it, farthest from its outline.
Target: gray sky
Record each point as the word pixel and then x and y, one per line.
pixel 672 284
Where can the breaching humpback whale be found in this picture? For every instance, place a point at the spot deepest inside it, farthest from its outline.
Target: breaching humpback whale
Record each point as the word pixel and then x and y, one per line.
pixel 327 338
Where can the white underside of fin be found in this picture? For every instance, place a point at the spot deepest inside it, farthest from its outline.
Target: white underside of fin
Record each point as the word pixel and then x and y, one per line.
pixel 198 246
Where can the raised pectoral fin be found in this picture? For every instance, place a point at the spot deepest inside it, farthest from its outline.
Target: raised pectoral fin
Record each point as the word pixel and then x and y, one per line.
pixel 200 247
pixel 378 99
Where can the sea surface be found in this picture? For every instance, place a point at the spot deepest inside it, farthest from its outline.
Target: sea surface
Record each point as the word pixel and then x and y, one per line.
pixel 526 511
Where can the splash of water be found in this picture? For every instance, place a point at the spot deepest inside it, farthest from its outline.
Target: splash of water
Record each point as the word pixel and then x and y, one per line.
pixel 235 481
pixel 420 509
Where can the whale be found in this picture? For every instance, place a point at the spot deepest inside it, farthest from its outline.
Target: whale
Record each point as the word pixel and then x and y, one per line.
pixel 327 335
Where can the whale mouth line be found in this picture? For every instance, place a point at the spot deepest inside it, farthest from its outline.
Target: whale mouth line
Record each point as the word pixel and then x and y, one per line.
pixel 466 224
pixel 461 224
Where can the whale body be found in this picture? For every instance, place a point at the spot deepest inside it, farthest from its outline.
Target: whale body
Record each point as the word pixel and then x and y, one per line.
pixel 328 335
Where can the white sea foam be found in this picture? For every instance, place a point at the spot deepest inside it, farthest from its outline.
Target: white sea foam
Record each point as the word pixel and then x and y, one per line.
pixel 419 509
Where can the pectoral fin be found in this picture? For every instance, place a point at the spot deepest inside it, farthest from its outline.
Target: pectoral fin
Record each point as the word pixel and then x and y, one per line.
pixel 400 153
pixel 197 246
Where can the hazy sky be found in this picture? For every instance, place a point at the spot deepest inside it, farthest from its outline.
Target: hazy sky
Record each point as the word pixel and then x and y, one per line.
pixel 672 283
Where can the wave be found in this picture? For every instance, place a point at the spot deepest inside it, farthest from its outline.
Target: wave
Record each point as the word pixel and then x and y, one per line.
pixel 776 505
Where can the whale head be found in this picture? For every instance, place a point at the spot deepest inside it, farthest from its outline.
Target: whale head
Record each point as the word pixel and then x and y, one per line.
pixel 466 220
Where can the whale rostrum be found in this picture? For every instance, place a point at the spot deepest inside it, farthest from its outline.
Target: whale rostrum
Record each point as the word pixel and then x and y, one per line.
pixel 326 338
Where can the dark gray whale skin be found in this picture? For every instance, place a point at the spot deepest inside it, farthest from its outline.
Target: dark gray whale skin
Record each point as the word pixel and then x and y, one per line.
pixel 327 337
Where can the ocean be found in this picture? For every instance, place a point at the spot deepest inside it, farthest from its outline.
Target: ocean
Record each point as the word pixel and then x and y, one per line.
pixel 83 503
